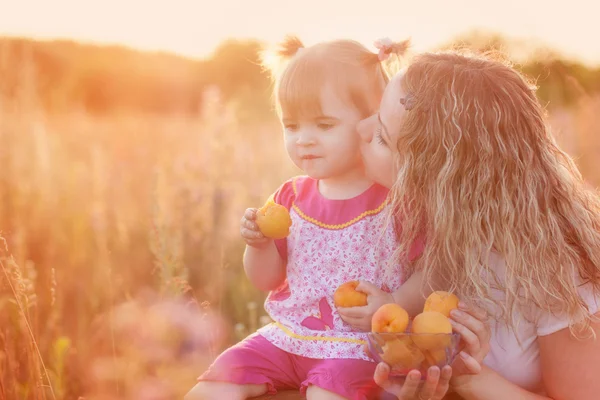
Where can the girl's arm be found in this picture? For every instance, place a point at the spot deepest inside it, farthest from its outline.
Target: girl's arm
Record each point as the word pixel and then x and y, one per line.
pixel 264 266
pixel 410 296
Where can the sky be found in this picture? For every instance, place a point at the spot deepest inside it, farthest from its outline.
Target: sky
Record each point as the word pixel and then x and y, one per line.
pixel 195 27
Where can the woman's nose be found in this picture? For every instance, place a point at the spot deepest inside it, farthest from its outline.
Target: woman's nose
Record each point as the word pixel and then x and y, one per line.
pixel 365 129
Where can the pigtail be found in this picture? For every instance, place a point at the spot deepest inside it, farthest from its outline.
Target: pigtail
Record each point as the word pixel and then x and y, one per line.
pixel 400 48
pixel 387 47
pixel 274 59
pixel 289 47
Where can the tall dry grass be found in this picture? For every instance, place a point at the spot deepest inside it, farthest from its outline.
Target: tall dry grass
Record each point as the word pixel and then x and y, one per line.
pixel 120 260
pixel 121 271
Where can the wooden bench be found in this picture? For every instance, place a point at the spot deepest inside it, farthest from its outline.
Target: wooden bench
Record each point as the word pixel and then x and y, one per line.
pixel 282 395
pixel 295 395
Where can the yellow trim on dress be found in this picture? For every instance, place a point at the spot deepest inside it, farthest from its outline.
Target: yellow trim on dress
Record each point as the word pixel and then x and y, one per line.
pixel 335 226
pixel 288 332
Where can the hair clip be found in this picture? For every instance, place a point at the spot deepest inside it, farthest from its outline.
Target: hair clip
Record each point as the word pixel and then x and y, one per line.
pixel 408 102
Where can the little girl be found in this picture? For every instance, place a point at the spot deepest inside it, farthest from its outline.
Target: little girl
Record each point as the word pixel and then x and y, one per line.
pixel 339 233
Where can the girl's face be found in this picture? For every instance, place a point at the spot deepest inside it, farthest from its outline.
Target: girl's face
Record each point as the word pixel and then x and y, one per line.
pixel 379 134
pixel 325 146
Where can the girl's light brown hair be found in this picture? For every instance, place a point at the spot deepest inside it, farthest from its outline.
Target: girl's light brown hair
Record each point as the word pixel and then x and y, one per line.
pixel 478 164
pixel 300 74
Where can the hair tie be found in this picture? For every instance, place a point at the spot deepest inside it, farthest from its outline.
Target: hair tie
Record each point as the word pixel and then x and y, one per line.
pixel 385 46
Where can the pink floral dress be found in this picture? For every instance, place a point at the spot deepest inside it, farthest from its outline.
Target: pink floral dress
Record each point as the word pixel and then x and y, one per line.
pixel 330 242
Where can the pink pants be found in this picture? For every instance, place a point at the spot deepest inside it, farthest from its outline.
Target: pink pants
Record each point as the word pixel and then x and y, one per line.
pixel 256 361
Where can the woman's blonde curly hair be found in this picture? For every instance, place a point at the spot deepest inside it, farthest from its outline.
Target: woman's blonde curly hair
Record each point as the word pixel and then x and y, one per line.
pixel 480 173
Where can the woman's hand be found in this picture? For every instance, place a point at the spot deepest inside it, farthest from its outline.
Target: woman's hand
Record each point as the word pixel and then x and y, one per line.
pixel 435 387
pixel 359 318
pixel 471 323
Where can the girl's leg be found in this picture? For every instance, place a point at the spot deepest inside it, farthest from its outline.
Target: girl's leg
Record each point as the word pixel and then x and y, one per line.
pixel 250 368
pixel 317 393
pixel 222 390
pixel 349 379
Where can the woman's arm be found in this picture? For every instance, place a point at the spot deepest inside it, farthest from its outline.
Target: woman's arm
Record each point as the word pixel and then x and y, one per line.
pixel 570 365
pixel 489 385
pixel 569 368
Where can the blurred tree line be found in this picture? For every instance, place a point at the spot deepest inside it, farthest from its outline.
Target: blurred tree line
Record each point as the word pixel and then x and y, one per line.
pixel 560 81
pixel 107 79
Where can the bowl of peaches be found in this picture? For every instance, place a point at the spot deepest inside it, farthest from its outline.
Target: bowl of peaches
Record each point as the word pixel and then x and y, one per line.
pixel 405 344
pixel 417 344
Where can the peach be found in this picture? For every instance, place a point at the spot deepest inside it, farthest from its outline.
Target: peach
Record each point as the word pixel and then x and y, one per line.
pixel 442 302
pixel 431 322
pixel 402 353
pixel 347 296
pixel 435 357
pixel 274 220
pixel 389 318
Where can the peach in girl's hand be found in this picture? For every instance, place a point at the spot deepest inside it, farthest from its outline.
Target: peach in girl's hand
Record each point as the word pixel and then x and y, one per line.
pixel 347 296
pixel 274 220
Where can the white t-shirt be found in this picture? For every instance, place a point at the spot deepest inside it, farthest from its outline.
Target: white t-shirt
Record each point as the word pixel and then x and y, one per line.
pixel 520 363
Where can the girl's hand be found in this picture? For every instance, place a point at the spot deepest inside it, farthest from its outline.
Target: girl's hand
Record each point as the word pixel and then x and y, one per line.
pixel 471 323
pixel 249 230
pixel 359 318
pixel 435 387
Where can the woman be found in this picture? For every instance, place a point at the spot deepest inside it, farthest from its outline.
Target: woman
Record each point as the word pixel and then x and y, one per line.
pixel 510 224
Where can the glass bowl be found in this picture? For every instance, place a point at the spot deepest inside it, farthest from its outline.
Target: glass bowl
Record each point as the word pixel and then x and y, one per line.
pixel 405 352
